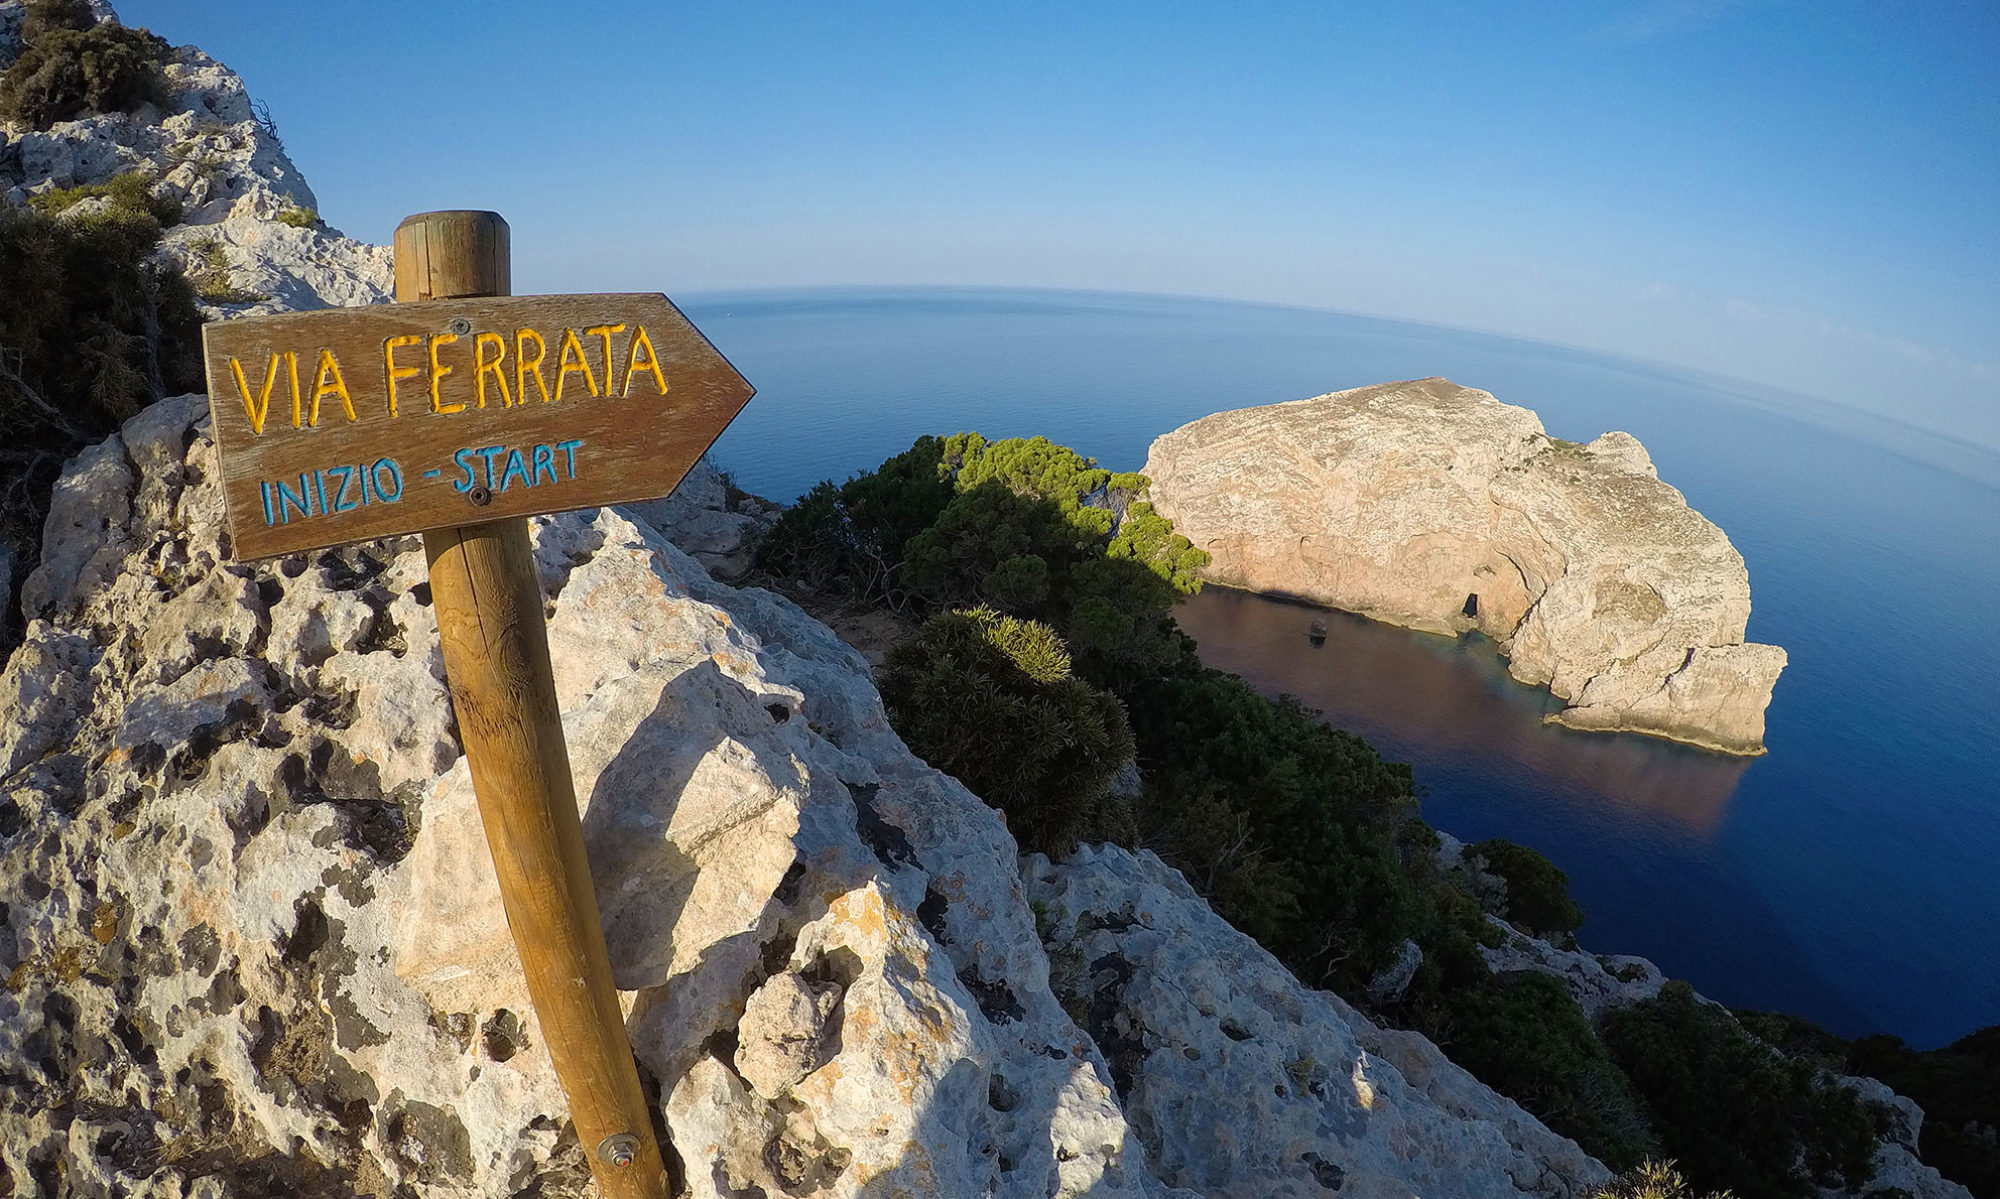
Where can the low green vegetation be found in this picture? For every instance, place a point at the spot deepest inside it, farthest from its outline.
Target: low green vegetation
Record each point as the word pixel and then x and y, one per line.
pixel 130 193
pixel 93 327
pixel 1524 1035
pixel 1026 526
pixel 1732 1108
pixel 1041 588
pixel 43 17
pixel 298 217
pixel 1654 1180
pixel 991 699
pixel 71 66
pixel 211 276
pixel 1538 899
pixel 1958 1088
pixel 1300 833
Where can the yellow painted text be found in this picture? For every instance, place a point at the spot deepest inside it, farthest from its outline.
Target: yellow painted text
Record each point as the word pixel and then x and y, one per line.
pixel 572 352
pixel 483 367
pixel 523 364
pixel 439 371
pixel 395 372
pixel 256 409
pixel 651 365
pixel 330 384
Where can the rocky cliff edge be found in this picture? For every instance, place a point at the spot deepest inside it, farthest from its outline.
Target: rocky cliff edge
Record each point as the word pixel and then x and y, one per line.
pixel 207 149
pixel 250 943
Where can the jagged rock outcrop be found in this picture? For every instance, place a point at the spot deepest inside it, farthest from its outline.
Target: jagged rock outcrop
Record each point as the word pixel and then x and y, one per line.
pixel 712 520
pixel 248 934
pixel 1247 1086
pixel 1437 507
pixel 206 149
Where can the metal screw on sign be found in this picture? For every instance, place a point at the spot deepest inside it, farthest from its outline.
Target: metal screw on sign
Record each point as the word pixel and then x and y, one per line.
pixel 352 424
pixel 618 1149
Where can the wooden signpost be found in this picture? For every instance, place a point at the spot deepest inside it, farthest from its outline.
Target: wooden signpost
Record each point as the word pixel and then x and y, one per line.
pixel 457 412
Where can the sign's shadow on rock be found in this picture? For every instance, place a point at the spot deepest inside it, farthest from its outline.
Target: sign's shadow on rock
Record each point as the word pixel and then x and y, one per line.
pixel 698 805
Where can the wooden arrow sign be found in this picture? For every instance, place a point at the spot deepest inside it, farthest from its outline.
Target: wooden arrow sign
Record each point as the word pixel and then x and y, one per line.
pixel 348 424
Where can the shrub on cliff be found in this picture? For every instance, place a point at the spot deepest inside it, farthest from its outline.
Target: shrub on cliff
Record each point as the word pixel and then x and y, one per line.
pixel 1024 525
pixel 66 72
pixel 1958 1087
pixel 1732 1109
pixel 1538 899
pixel 991 699
pixel 1312 867
pixel 47 16
pixel 1524 1036
pixel 1654 1180
pixel 130 193
pixel 92 328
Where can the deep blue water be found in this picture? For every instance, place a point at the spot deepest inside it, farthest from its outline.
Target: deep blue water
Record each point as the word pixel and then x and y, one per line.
pixel 1847 876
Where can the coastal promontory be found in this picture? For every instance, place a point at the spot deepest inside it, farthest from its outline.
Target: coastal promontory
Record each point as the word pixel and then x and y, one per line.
pixel 1438 507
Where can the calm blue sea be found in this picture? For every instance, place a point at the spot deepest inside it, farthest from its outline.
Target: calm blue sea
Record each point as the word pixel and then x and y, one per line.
pixel 1848 876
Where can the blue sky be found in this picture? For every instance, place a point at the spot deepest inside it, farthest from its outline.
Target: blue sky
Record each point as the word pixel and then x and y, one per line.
pixel 1803 193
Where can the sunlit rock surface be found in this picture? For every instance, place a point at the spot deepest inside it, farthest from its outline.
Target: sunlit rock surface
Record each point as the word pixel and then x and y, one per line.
pixel 207 150
pixel 250 930
pixel 1438 507
pixel 1244 1084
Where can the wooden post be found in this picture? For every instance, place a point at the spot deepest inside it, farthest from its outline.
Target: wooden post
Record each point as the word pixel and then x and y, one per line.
pixel 496 655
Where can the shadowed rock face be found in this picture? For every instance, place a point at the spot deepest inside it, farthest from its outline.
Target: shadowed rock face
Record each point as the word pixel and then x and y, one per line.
pixel 1437 507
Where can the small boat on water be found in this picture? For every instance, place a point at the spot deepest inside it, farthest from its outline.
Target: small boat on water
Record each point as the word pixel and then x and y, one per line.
pixel 1317 633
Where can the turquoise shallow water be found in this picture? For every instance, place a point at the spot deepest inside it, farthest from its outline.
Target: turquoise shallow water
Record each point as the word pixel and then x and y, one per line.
pixel 1847 876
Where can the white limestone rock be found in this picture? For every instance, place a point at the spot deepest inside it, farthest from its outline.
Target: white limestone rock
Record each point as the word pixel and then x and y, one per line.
pixel 250 932
pixel 206 149
pixel 710 520
pixel 1405 501
pixel 1898 1172
pixel 1243 1083
pixel 1896 1166
pixel 784 1032
pixel 1599 982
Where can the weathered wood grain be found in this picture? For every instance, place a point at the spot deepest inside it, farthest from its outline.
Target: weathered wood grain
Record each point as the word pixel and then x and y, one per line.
pixel 488 602
pixel 350 424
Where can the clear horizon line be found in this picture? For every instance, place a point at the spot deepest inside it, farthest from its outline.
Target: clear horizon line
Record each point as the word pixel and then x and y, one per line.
pixel 1948 439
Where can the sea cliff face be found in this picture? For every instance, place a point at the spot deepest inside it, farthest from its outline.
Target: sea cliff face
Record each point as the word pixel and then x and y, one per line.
pixel 1437 507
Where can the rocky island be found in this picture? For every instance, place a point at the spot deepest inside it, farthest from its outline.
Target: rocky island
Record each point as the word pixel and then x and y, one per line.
pixel 1437 507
